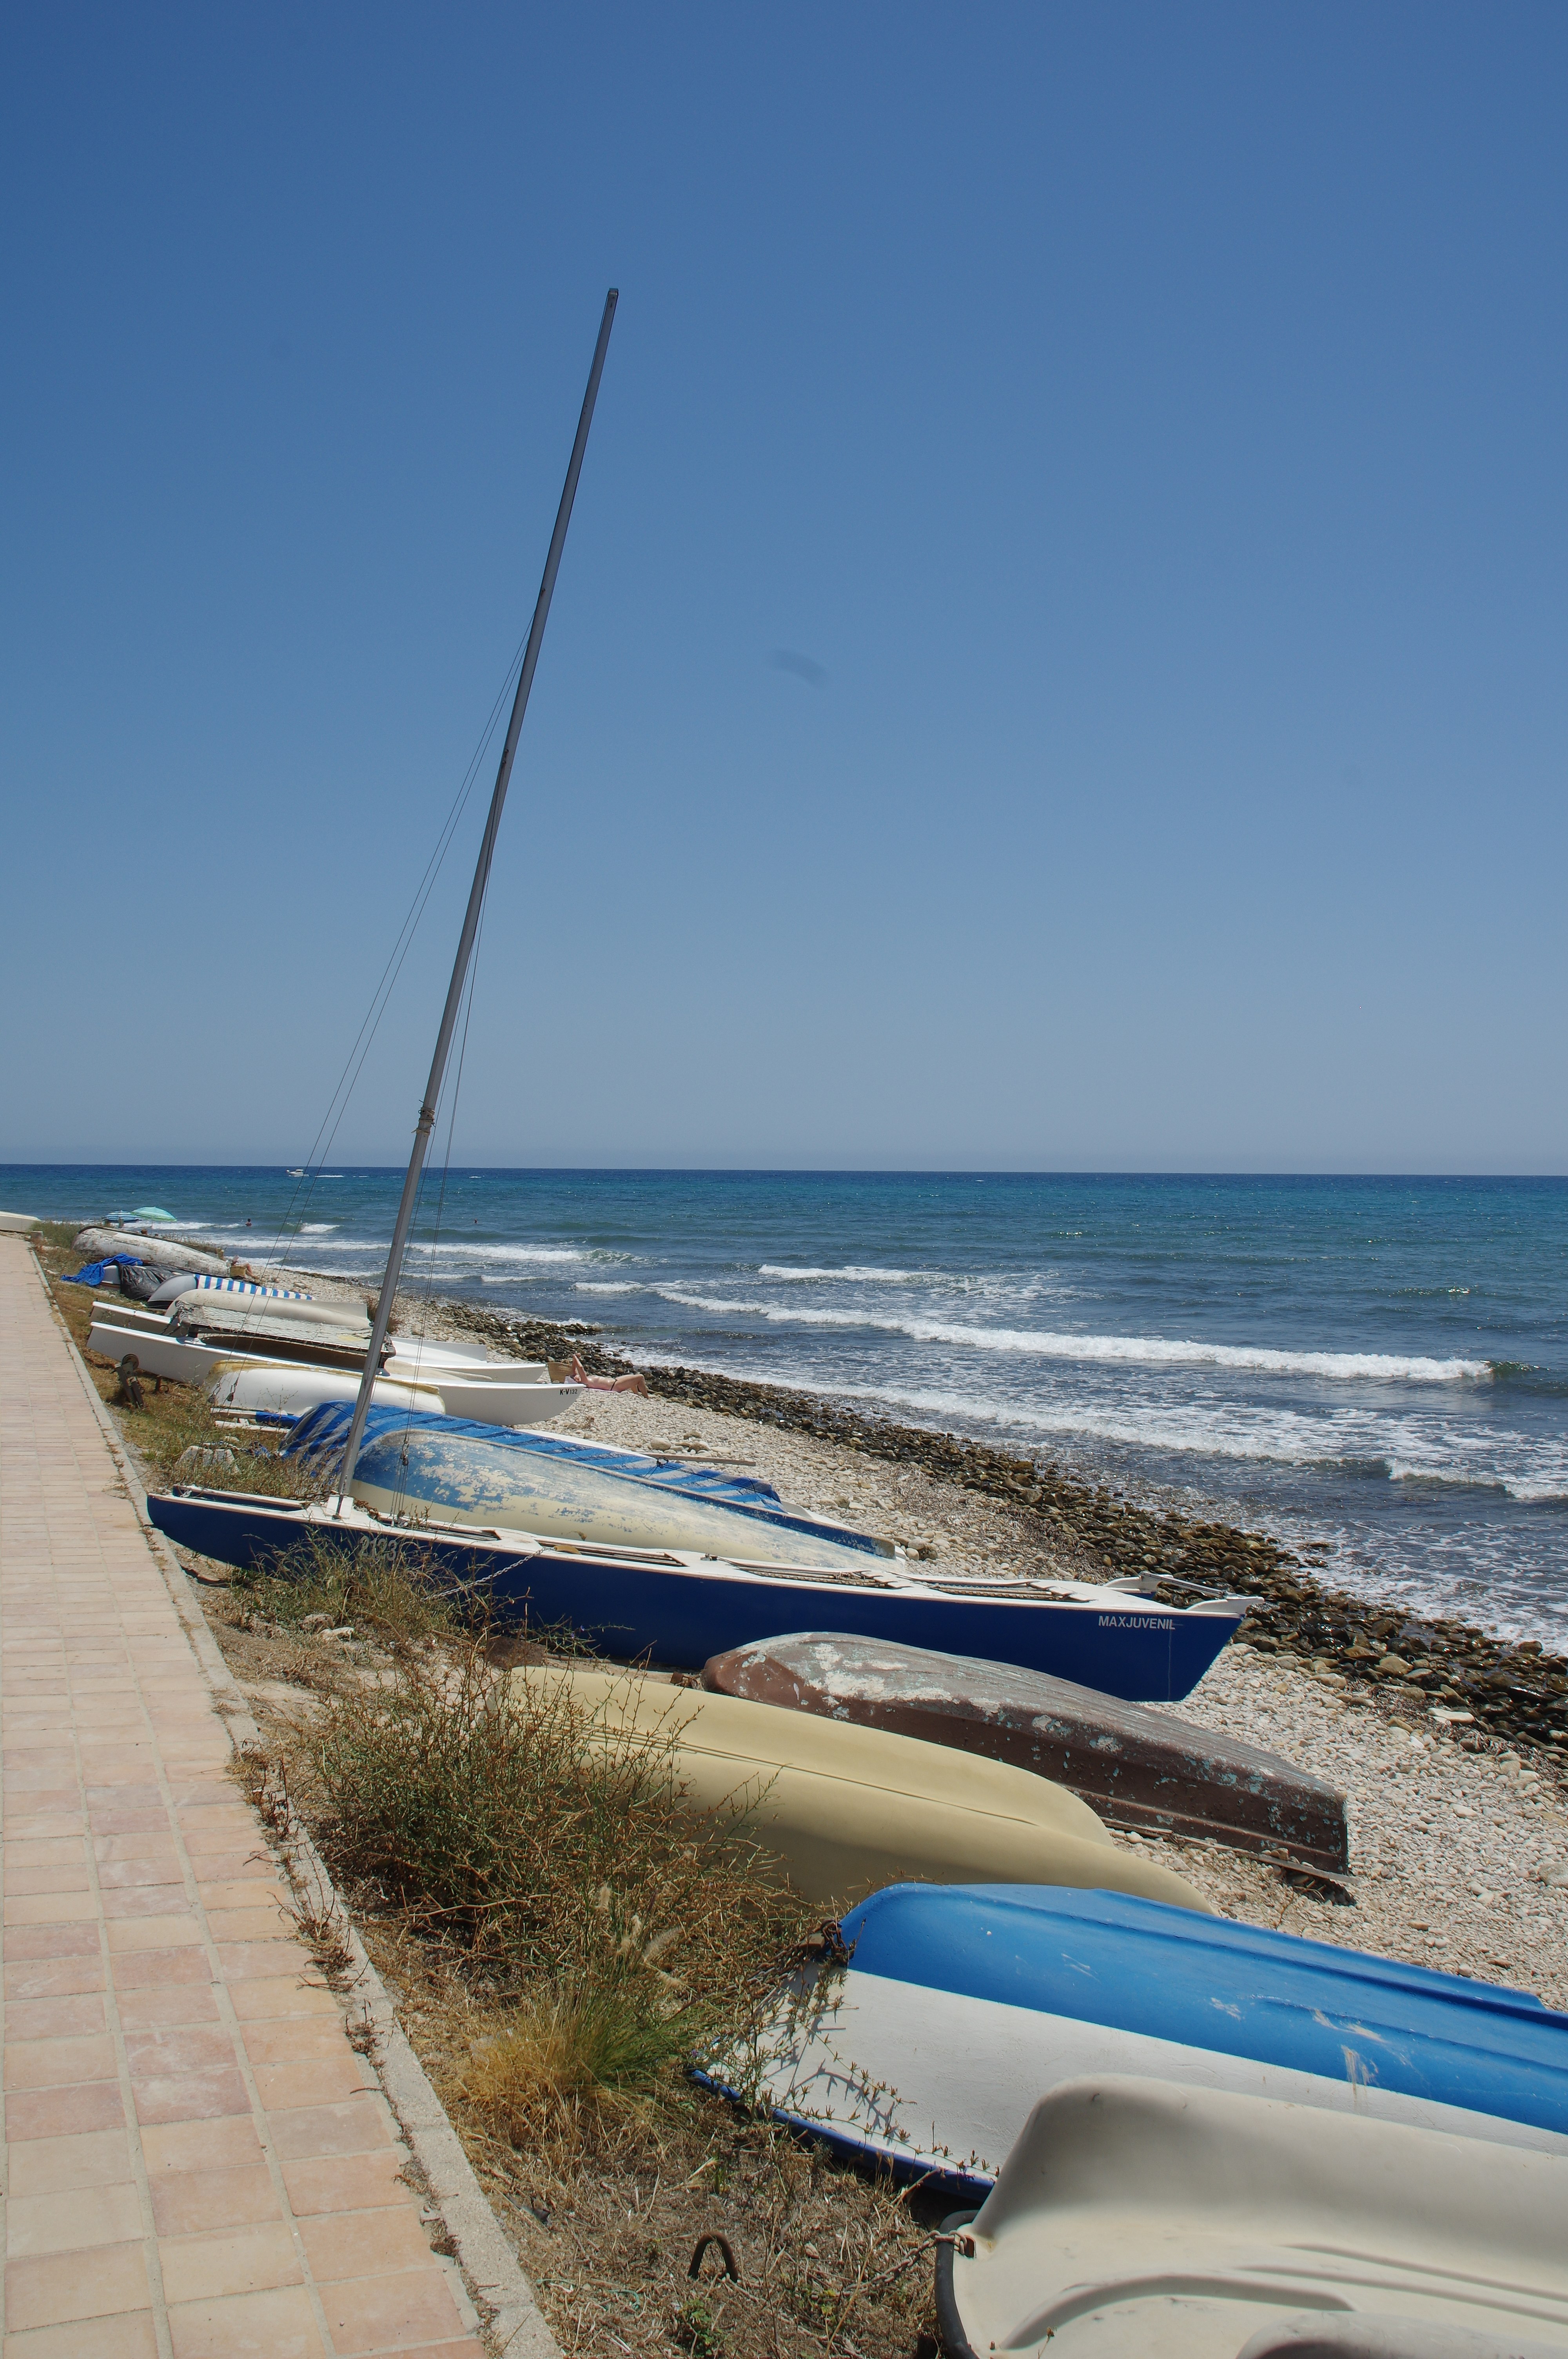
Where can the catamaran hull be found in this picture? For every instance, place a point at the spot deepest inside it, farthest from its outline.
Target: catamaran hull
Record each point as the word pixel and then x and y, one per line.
pixel 676 1611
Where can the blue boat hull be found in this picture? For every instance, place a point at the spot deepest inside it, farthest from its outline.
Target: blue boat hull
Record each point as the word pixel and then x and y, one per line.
pixel 677 1614
pixel 961 2006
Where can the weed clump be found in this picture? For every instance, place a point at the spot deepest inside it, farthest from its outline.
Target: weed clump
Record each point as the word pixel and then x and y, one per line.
pixel 376 1586
pixel 554 1851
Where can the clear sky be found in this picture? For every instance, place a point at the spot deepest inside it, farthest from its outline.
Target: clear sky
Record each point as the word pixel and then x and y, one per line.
pixel 1060 658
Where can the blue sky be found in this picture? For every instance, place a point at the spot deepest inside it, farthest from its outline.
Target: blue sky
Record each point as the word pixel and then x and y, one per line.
pixel 1139 431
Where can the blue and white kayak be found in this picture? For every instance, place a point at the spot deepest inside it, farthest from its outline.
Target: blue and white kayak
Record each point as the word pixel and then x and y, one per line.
pixel 961 2008
pixel 676 1607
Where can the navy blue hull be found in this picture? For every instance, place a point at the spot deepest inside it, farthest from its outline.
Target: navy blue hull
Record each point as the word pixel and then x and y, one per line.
pixel 678 1616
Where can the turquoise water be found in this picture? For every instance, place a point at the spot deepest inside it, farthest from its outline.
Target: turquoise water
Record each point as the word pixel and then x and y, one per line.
pixel 1380 1364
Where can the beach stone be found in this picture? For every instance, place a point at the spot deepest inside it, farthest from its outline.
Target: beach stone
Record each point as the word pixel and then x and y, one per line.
pixel 1392 1667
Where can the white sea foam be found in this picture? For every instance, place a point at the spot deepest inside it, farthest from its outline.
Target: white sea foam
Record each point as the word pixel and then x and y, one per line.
pixel 857 1274
pixel 316 1228
pixel 603 1285
pixel 1146 1350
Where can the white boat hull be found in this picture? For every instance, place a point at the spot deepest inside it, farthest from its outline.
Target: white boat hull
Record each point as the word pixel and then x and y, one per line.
pixel 489 1399
pixel 293 1392
pixel 937 2080
pixel 1136 2218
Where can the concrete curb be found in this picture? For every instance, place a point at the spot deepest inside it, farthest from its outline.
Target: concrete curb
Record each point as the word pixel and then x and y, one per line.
pixel 490 2268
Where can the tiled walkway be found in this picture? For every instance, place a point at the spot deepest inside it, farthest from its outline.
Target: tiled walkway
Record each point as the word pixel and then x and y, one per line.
pixel 198 2164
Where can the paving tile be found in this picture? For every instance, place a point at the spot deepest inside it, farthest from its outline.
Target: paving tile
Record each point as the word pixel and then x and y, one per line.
pixel 274 2325
pixel 131 2334
pixel 184 2202
pixel 54 2063
pixel 181 1930
pixel 173 2004
pixel 50 1907
pixel 63 2113
pixel 346 2182
pixel 317 2081
pixel 190 2096
pixel 390 2313
pixel 92 2158
pixel 163 2051
pixel 26 1942
pixel 54 1977
pixel 295 2040
pixel 56 2288
pixel 360 2127
pixel 229 2143
pixel 365 2243
pixel 64 1876
pixel 153 1867
pixel 272 1997
pixel 139 1969
pixel 71 2219
pixel 55 2018
pixel 239 2259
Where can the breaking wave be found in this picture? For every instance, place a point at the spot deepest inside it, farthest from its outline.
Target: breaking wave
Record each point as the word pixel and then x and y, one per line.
pixel 1145 1350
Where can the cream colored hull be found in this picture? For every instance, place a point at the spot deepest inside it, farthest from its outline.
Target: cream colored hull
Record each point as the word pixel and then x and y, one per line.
pixel 848 1810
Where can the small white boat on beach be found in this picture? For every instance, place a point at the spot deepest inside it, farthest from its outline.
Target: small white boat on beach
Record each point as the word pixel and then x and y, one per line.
pixel 492 1392
pixel 1138 2220
pixel 18 1223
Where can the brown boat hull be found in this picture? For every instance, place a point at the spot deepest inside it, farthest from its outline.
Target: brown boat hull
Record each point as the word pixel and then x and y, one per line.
pixel 1141 1769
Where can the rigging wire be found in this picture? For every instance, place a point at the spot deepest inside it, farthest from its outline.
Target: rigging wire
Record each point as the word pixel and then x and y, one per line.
pixel 300 1200
pixel 451 1127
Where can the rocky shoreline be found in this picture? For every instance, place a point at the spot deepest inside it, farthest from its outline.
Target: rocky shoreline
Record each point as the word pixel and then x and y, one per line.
pixel 1516 1692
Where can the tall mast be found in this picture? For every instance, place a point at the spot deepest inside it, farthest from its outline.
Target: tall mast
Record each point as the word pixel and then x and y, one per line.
pixel 426 1124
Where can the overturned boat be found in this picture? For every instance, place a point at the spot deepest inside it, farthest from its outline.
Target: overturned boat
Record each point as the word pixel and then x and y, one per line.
pixel 1135 2218
pixel 1137 1769
pixel 958 2009
pixel 844 1809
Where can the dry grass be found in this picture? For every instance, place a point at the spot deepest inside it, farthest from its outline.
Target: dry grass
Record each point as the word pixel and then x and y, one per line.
pixel 375 1589
pixel 608 2212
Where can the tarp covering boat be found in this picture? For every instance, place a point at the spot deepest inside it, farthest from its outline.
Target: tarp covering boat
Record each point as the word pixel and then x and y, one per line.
pixel 96 1273
pixel 960 2008
pixel 1136 2220
pixel 1138 1768
pixel 320 1439
pixel 844 1808
pixel 470 1473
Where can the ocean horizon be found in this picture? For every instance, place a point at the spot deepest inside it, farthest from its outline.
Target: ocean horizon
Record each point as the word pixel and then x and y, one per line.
pixel 1378 1362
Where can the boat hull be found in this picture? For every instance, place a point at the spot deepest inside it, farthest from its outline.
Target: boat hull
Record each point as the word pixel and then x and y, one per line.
pixel 675 1611
pixel 1135 2217
pixel 1135 1769
pixel 960 2009
pixel 160 1353
pixel 465 1477
pixel 846 1810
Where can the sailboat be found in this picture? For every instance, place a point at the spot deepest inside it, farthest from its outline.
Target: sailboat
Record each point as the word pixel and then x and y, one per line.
pixel 606 1551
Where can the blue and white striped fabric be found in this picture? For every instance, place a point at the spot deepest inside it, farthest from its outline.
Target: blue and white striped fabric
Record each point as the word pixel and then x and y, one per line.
pixel 244 1286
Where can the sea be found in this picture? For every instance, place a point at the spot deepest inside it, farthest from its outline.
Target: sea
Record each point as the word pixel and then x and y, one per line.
pixel 1380 1364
